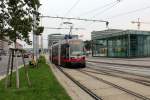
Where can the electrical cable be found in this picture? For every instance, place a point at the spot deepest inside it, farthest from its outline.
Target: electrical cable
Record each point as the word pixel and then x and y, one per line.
pixel 76 3
pixel 130 12
pixel 96 9
pixel 103 11
pixel 107 7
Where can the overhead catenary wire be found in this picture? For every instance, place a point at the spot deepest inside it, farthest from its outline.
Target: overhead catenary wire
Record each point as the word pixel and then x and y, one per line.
pixel 129 12
pixel 106 9
pixel 97 9
pixel 76 3
pixel 101 7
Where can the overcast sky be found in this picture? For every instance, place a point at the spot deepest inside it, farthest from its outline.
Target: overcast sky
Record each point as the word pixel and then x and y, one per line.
pixel 119 14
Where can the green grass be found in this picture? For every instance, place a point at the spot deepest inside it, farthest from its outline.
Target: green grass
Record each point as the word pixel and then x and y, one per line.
pixel 44 86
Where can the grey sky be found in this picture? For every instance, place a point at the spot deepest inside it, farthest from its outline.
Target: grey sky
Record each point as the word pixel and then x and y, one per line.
pixel 61 7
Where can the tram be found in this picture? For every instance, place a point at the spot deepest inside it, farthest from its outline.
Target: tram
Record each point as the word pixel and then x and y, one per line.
pixel 68 53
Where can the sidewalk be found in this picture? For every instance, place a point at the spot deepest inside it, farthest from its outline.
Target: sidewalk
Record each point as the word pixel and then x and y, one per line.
pixel 143 62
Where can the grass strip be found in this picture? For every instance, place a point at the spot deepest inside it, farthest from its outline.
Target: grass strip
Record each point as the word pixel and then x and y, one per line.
pixel 44 86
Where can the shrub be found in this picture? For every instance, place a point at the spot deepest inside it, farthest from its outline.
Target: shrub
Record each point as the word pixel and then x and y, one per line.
pixel 41 59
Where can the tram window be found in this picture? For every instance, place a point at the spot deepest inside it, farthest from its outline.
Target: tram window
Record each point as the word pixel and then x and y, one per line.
pixel 67 45
pixel 65 50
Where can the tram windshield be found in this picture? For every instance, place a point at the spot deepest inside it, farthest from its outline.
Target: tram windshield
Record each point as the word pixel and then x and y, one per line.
pixel 76 48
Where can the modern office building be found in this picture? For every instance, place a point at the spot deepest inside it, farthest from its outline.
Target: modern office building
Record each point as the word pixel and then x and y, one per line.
pixel 121 43
pixel 54 38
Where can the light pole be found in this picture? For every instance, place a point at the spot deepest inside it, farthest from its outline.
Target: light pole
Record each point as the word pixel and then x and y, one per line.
pixel 35 36
pixel 71 27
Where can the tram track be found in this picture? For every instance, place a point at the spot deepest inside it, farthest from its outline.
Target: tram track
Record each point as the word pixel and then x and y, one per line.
pixel 111 63
pixel 113 69
pixel 116 86
pixel 84 84
pixel 88 91
pixel 140 80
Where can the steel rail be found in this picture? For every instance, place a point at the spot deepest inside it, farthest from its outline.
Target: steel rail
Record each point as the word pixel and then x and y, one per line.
pixel 120 71
pixel 119 64
pixel 88 91
pixel 104 72
pixel 117 86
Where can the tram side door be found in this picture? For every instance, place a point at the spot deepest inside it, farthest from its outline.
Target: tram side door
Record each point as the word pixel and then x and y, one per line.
pixel 64 53
pixel 67 51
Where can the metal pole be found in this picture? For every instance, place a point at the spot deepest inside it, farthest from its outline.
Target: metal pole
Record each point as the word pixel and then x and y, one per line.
pixel 8 67
pixel 59 52
pixel 12 65
pixel 129 54
pixel 37 46
pixel 42 44
pixel 26 70
pixel 70 32
pixel 34 37
pixel 17 71
pixel 138 24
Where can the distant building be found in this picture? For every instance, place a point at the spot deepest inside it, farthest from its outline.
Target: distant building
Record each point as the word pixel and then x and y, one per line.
pixel 121 43
pixel 54 38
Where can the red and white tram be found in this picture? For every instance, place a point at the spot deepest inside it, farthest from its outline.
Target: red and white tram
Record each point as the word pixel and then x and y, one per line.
pixel 68 53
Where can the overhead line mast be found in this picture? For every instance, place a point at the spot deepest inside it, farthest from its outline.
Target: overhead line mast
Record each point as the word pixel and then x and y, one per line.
pixel 63 28
pixel 72 18
pixel 84 19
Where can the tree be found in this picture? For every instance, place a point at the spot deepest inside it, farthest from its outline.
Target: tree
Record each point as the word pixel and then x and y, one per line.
pixel 39 30
pixel 19 21
pixel 87 45
pixel 3 19
pixel 16 18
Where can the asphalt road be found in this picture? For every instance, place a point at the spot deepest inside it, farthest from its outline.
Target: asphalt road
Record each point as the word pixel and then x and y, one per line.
pixel 4 63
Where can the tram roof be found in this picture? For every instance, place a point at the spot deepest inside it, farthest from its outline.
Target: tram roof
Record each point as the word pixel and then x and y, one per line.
pixel 64 41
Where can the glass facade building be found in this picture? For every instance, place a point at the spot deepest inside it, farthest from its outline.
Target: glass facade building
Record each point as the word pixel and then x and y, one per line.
pixel 121 43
